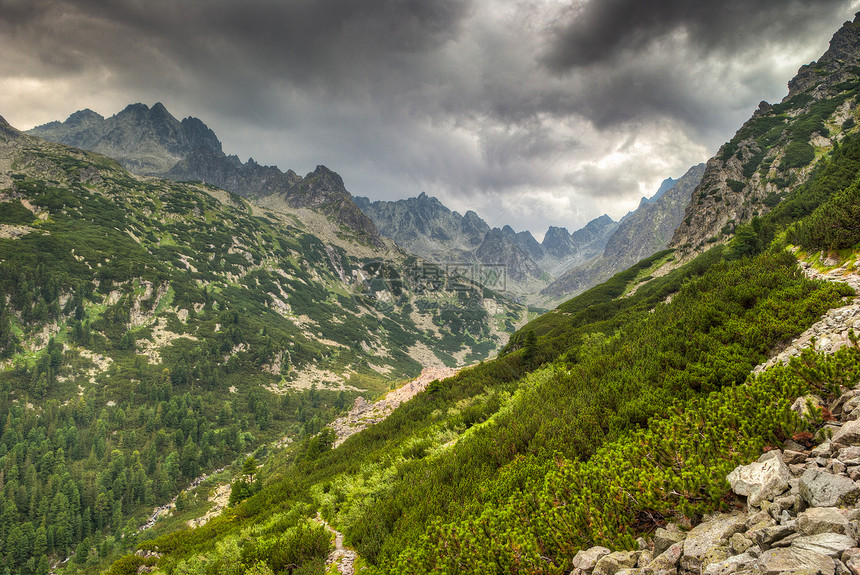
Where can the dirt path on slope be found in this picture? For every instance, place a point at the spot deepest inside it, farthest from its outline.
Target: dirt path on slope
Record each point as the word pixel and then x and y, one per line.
pixel 341 556
pixel 830 333
pixel 364 414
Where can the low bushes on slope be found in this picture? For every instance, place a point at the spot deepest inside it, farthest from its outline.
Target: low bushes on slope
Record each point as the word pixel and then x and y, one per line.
pixel 676 466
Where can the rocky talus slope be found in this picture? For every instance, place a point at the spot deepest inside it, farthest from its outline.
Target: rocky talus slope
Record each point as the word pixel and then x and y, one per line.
pixel 364 414
pixel 831 333
pixel 802 515
pixel 802 501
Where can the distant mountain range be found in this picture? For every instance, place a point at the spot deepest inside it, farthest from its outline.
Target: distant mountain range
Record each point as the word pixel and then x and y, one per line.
pixel 642 232
pixel 563 264
pixel 425 226
pixel 152 142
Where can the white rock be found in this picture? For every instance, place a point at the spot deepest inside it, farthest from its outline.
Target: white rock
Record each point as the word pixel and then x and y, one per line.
pixel 760 481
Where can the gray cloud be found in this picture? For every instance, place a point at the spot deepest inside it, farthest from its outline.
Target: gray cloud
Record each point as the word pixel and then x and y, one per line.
pixel 602 32
pixel 574 107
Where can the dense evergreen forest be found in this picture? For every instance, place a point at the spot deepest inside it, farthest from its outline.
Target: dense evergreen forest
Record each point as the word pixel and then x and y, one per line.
pixel 625 406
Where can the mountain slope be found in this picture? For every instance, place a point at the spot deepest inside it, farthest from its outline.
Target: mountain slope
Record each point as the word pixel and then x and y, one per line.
pixel 778 147
pixel 641 233
pixel 152 142
pixel 152 330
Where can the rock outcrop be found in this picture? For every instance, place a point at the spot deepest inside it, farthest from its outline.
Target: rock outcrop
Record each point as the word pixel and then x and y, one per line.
pixel 777 148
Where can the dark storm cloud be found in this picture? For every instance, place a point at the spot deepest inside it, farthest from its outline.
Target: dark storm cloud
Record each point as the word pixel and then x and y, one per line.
pixel 603 31
pixel 307 38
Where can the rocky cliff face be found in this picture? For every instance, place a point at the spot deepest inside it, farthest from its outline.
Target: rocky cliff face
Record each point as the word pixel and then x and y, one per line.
pixel 777 148
pixel 150 141
pixel 426 227
pixel 641 233
pixel 144 140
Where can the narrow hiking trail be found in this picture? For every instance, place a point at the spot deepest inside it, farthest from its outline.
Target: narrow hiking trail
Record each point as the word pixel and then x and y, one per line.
pixel 342 557
pixel 830 333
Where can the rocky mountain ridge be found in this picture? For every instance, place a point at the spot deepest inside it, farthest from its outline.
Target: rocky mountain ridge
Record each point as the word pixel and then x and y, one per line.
pixel 777 148
pixel 425 226
pixel 147 141
pixel 150 141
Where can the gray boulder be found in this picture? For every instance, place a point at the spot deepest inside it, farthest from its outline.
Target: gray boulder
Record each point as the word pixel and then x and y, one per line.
pixel 851 559
pixel 665 538
pixel 849 455
pixel 791 560
pixel 586 559
pixel 848 434
pixel 761 480
pixel 801 404
pixel 615 562
pixel 731 565
pixel 822 489
pixel 830 544
pixel 708 542
pixel 767 536
pixel 817 520
pixel 667 562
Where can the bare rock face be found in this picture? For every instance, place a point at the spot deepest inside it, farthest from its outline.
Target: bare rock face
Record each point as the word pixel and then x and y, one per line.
pixel 848 435
pixel 791 560
pixel 830 544
pixel 708 542
pixel 822 520
pixel 586 559
pixel 144 140
pixel 822 489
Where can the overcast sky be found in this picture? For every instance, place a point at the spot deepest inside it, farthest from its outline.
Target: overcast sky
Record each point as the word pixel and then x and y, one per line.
pixel 532 113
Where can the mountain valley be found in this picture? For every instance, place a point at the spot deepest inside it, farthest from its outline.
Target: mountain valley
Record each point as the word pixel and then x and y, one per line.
pixel 220 368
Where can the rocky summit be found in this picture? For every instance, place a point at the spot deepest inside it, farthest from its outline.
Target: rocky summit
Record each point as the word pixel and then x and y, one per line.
pixel 144 140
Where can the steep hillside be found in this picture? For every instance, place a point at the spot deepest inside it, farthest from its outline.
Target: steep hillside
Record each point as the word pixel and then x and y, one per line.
pixel 776 149
pixel 608 417
pixel 153 330
pixel 641 233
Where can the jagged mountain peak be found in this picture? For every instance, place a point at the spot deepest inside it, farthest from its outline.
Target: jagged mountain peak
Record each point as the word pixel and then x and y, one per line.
pixel 145 140
pixel 84 117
